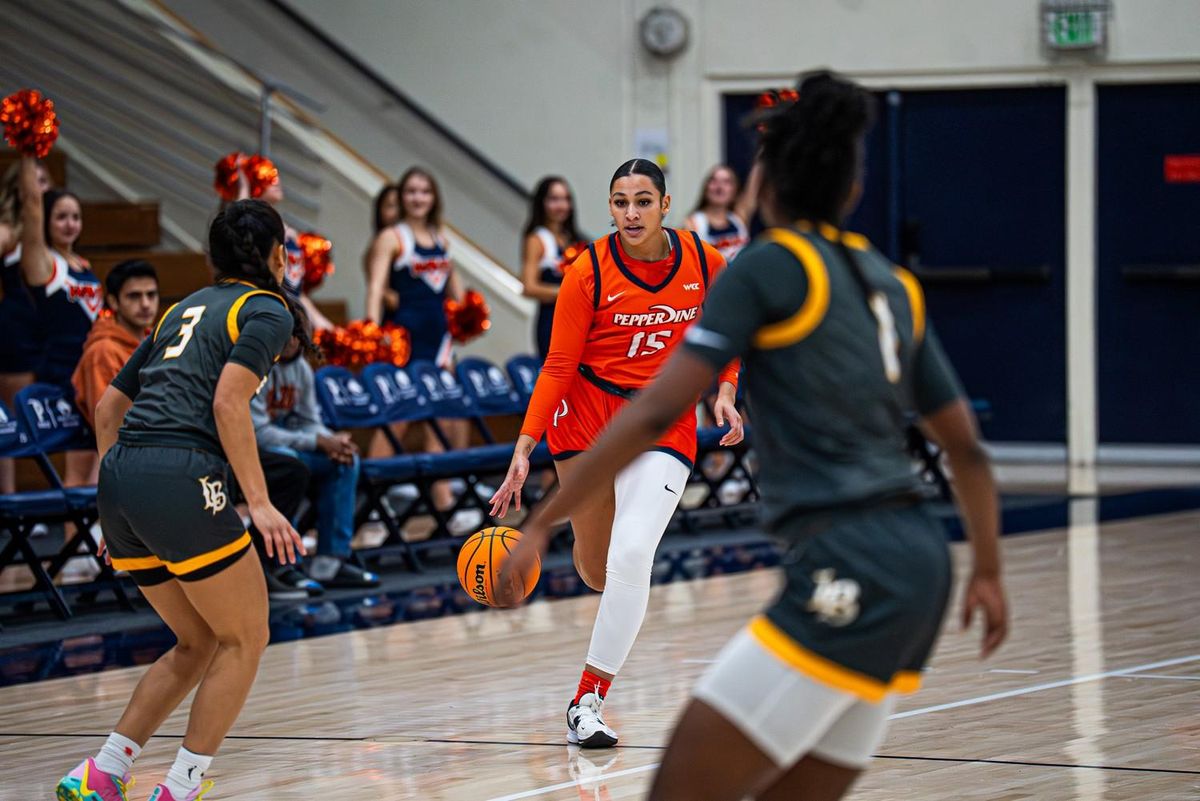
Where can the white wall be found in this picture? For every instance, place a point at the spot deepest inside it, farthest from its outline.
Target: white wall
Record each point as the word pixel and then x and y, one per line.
pixel 562 85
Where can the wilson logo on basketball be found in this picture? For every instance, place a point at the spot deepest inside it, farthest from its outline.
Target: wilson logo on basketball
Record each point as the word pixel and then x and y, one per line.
pixel 479 590
pixel 659 314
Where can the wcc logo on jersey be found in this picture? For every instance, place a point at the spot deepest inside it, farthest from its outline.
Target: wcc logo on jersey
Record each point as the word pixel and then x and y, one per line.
pixel 659 314
pixel 834 601
pixel 214 495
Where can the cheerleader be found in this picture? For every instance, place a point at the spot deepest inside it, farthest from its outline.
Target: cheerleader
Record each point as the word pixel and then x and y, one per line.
pixel 66 294
pixel 293 278
pixel 20 334
pixel 722 214
pixel 411 277
pixel 548 234
pixel 386 213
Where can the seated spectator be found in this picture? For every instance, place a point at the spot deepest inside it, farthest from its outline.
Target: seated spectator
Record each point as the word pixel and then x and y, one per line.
pixel 131 297
pixel 287 483
pixel 286 420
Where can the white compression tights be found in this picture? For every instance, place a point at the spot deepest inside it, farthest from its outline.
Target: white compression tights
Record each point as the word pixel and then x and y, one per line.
pixel 647 493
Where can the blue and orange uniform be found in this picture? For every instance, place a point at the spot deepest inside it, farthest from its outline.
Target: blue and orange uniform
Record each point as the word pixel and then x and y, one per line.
pixel 20 332
pixel 67 305
pixel 421 276
pixel 550 271
pixel 617 321
pixel 728 239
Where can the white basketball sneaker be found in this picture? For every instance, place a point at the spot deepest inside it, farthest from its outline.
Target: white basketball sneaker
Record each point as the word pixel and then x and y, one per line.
pixel 585 726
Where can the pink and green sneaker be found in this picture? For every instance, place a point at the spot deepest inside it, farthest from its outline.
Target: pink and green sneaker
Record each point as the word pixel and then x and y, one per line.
pixel 161 793
pixel 88 783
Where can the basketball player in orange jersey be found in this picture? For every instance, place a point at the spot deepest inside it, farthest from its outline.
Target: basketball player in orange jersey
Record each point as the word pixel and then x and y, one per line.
pixel 623 308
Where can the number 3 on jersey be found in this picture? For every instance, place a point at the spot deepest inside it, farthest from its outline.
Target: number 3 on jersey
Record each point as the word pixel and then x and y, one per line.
pixel 191 316
pixel 647 344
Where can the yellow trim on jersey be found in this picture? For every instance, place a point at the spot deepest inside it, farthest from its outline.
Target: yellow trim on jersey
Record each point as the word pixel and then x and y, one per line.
pixel 825 671
pixel 856 241
pixel 231 323
pixel 187 565
pixel 916 301
pixel 816 302
pixel 849 238
pixel 163 319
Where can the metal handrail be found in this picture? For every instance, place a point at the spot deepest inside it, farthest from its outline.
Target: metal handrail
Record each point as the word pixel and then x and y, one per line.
pixel 396 94
pixel 270 84
pixel 289 167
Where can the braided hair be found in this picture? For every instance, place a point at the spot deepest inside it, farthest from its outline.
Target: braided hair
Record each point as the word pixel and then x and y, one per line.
pixel 241 240
pixel 812 148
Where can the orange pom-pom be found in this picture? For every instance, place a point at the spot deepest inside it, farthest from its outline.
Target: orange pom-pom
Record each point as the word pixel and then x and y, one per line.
pixel 362 342
pixel 318 252
pixel 30 124
pixel 261 173
pixel 396 347
pixel 570 254
pixel 225 180
pixel 468 319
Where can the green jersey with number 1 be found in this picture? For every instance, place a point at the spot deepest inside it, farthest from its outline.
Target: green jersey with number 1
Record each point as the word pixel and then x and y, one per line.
pixel 838 360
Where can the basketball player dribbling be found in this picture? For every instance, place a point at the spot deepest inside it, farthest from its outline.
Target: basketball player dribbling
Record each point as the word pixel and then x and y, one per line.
pixel 838 355
pixel 624 306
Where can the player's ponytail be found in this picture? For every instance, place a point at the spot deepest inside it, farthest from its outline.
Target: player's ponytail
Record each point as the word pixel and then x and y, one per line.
pixel 240 242
pixel 811 148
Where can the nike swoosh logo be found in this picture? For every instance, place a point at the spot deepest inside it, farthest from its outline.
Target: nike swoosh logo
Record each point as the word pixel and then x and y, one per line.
pixel 668 489
pixel 193 767
pixel 611 298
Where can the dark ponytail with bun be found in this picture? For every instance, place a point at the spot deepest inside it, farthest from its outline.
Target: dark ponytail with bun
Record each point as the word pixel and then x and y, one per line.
pixel 240 242
pixel 810 148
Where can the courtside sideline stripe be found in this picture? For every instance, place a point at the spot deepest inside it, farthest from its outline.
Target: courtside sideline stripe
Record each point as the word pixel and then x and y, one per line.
pixel 567 785
pixel 909 714
pixel 1037 688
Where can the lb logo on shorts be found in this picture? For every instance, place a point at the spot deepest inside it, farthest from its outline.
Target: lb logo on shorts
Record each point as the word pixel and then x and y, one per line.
pixel 834 601
pixel 214 495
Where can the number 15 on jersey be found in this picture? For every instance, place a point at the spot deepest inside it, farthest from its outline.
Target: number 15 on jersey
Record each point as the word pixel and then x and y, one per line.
pixel 647 343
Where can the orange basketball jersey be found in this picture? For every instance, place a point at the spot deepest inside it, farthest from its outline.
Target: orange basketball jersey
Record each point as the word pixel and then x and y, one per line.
pixel 615 324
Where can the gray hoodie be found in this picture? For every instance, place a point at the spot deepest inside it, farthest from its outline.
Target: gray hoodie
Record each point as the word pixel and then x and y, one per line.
pixel 285 412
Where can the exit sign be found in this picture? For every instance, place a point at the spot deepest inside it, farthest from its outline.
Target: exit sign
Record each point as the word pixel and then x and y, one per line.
pixel 1074 29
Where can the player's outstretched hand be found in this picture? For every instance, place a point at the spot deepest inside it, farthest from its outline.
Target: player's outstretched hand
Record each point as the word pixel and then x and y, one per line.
pixel 281 540
pixel 987 594
pixel 510 490
pixel 511 590
pixel 725 411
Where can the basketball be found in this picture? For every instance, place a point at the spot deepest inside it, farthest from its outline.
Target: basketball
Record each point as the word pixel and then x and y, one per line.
pixel 481 558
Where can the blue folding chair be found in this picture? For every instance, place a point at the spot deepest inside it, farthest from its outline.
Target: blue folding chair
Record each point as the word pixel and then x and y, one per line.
pixel 491 391
pixel 523 370
pixel 349 402
pixel 50 423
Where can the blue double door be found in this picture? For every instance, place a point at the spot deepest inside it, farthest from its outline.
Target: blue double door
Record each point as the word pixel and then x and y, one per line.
pixel 1148 251
pixel 967 189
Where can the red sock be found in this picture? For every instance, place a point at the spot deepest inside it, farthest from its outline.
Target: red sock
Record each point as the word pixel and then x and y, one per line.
pixel 591 683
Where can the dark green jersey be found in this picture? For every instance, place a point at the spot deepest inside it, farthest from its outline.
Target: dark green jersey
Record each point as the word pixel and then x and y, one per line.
pixel 172 376
pixel 835 370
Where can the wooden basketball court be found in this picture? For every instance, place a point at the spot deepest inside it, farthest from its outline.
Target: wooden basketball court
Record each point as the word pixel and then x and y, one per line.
pixel 1096 696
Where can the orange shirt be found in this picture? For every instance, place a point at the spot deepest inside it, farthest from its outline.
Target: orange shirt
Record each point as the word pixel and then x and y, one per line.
pixel 623 318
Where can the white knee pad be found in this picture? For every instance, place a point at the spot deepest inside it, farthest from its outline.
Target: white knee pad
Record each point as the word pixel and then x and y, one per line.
pixel 647 493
